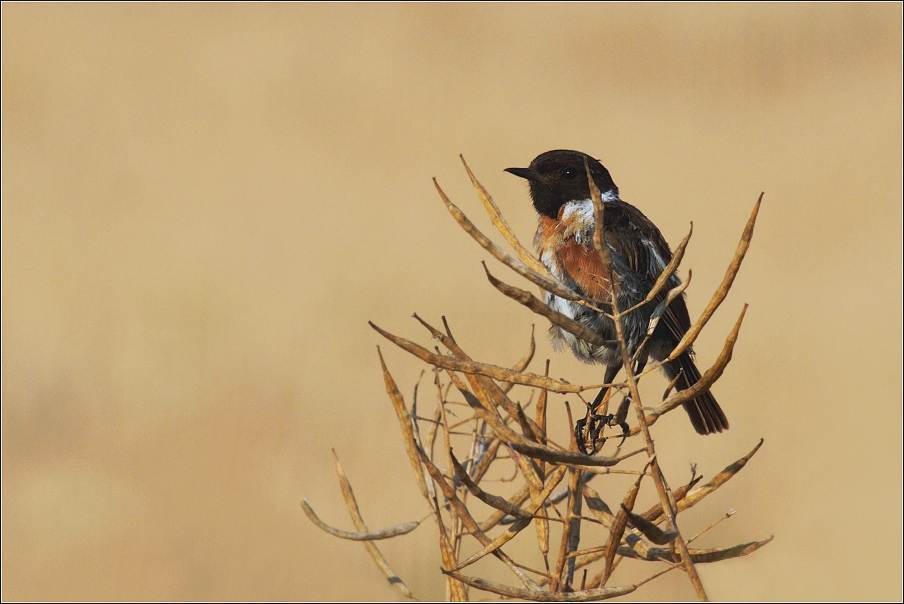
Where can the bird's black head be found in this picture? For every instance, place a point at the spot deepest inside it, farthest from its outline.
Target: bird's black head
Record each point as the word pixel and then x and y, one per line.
pixel 557 177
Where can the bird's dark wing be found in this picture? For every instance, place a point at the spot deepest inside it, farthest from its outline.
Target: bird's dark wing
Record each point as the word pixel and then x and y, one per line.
pixel 637 240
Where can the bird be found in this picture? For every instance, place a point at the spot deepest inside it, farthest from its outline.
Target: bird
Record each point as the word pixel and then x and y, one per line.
pixel 638 252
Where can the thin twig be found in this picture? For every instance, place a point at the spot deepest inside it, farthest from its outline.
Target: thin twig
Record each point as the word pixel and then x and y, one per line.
pixel 550 285
pixel 388 533
pixel 502 374
pixel 725 516
pixel 499 428
pixel 658 478
pixel 666 273
pixel 541 308
pixel 723 288
pixel 377 556
pixel 588 595
pixel 405 423
pixel 468 520
pixel 500 223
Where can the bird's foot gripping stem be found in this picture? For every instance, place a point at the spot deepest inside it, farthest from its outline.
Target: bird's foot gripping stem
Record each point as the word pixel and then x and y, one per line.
pixel 587 431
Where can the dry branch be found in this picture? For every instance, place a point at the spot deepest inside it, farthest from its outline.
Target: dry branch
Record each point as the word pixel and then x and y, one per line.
pixel 398 403
pixel 500 503
pixel 699 556
pixel 499 516
pixel 703 384
pixel 534 450
pixel 500 223
pixel 500 432
pixel 468 520
pixel 494 395
pixel 377 556
pixel 662 306
pixel 456 589
pixel 723 288
pixel 520 523
pixel 659 480
pixel 556 318
pixel 726 516
pixel 388 533
pixel 679 494
pixel 666 273
pixel 617 528
pixel 587 595
pixel 486 460
pixel 650 530
pixel 550 285
pixel 696 495
pixel 494 371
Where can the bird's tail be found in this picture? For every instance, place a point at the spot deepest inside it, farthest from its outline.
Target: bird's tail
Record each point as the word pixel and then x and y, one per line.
pixel 705 413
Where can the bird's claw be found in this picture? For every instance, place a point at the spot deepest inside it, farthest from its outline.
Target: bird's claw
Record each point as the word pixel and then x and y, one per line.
pixel 587 430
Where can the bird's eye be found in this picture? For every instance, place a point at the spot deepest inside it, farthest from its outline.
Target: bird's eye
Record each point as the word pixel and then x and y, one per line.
pixel 569 173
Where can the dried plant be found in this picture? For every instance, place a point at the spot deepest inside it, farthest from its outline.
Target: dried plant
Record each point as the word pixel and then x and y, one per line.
pixel 554 478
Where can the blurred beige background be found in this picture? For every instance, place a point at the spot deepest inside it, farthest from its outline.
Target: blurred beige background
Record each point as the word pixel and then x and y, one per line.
pixel 203 205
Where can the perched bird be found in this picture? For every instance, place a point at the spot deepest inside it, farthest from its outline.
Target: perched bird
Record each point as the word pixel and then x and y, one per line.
pixel 638 252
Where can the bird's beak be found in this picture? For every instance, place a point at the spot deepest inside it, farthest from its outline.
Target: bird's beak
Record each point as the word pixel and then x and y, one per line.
pixel 526 173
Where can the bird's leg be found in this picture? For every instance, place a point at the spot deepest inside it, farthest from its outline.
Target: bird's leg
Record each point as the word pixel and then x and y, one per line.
pixel 621 416
pixel 611 372
pixel 587 430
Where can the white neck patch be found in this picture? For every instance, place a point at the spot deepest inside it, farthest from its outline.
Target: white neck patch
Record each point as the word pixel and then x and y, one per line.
pixel 581 210
pixel 577 218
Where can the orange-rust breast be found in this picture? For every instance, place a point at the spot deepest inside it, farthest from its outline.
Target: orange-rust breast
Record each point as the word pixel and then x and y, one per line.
pixel 585 267
pixel 565 257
